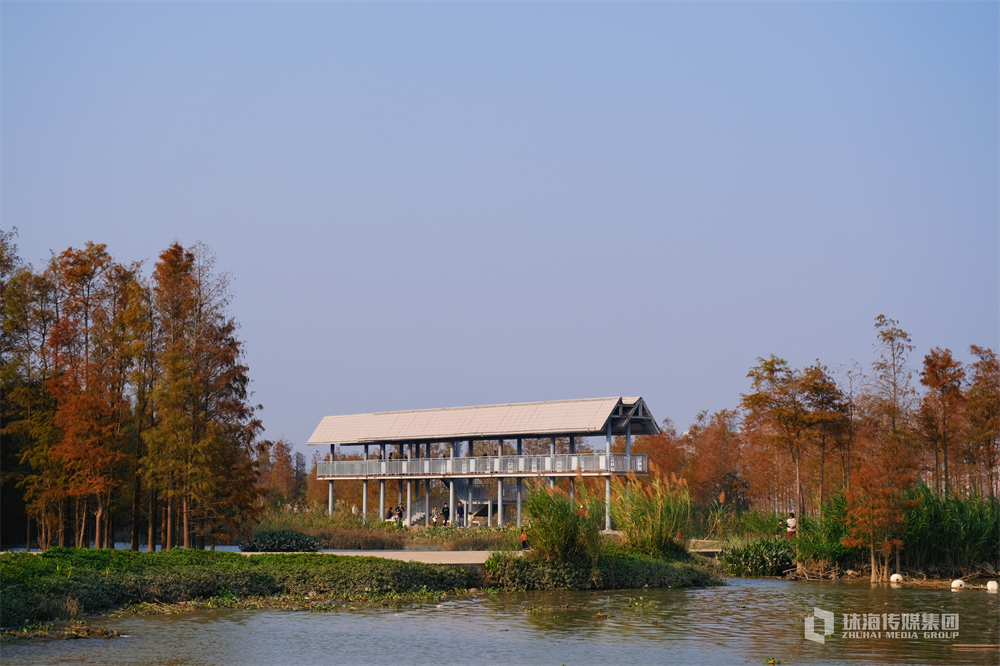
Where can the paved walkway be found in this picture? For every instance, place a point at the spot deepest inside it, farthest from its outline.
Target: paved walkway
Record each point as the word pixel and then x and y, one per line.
pixel 425 556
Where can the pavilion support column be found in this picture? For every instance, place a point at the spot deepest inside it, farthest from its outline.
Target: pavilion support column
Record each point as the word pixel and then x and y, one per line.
pixel 364 491
pixel 329 499
pixel 499 501
pixel 467 517
pixel 427 502
pixel 399 492
pixel 552 461
pixel 628 446
pixel 451 487
pixel 607 480
pixel 409 506
pixel 518 501
pixel 409 485
pixel 519 484
pixel 489 511
pixel 572 479
pixel 607 502
pixel 381 499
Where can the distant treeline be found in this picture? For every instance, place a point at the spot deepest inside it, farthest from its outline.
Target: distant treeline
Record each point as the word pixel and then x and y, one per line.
pixel 800 436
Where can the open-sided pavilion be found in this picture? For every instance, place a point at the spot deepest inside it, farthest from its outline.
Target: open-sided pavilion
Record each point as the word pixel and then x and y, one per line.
pixel 413 432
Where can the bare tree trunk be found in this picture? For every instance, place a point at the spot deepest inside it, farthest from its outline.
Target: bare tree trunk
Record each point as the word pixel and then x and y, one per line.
pixel 822 471
pixel 874 576
pixel 62 522
pixel 170 524
pixel 161 516
pixel 98 523
pixel 135 513
pixel 937 472
pixel 109 525
pixel 799 506
pixel 185 516
pixel 81 525
pixel 944 454
pixel 151 546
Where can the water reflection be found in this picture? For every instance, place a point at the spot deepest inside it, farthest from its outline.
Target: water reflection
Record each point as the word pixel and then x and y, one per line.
pixel 747 621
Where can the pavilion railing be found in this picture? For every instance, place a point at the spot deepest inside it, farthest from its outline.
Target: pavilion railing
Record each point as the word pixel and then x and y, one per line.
pixel 593 464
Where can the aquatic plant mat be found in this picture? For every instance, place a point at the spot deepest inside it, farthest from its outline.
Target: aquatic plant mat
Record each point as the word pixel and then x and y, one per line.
pixel 626 572
pixel 71 582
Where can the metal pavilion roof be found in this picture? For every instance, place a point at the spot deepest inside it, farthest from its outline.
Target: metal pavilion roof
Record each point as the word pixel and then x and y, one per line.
pixel 587 417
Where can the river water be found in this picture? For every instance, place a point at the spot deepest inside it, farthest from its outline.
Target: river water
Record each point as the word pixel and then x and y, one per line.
pixel 746 621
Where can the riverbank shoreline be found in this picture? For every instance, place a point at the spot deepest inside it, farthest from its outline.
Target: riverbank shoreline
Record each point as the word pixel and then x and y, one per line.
pixel 65 583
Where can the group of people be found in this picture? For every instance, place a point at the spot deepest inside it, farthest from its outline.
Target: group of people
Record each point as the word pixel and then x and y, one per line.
pixel 444 515
pixel 394 514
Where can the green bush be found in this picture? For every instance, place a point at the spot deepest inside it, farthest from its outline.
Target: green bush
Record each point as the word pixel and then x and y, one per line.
pixel 509 572
pixel 280 541
pixel 765 557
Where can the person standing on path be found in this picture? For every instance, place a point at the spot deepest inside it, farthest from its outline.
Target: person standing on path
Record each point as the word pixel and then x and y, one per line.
pixel 792 524
pixel 445 512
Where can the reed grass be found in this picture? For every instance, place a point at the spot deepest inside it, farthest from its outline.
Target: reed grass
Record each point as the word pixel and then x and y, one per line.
pixel 557 530
pixel 650 516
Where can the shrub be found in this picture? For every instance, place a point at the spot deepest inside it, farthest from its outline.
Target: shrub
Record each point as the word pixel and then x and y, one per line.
pixel 509 572
pixel 280 541
pixel 649 515
pixel 765 557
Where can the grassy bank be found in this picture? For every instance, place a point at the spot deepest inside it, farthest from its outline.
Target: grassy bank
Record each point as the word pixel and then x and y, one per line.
pixel 344 531
pixel 70 582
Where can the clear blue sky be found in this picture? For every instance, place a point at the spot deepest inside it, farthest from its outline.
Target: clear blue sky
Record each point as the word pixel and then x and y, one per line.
pixel 429 205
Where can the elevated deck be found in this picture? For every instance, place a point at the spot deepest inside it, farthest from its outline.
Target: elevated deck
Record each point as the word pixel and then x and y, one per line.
pixel 559 465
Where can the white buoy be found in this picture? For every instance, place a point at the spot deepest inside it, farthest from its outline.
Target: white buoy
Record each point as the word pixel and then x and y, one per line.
pixel 895 578
pixel 991 586
pixel 958 583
